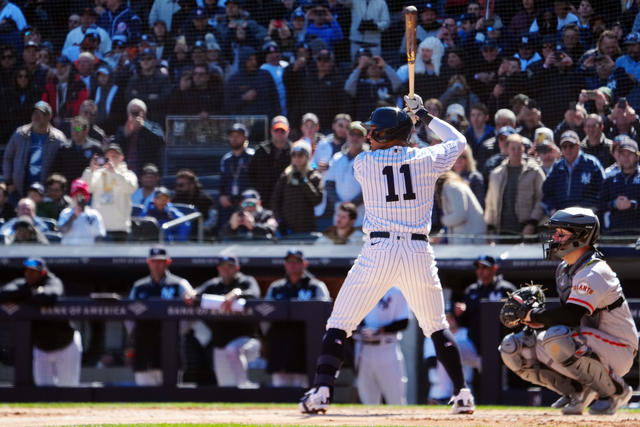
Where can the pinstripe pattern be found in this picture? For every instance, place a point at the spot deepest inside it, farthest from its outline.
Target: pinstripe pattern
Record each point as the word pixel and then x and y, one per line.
pixel 398 261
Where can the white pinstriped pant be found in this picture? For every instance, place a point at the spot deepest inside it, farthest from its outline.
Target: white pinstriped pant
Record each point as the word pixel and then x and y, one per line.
pixel 385 262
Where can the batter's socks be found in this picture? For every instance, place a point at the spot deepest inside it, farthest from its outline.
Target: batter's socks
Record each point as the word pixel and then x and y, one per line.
pixel 330 358
pixel 448 354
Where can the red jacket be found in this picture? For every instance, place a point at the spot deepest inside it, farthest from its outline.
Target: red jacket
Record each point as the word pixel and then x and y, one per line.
pixel 77 93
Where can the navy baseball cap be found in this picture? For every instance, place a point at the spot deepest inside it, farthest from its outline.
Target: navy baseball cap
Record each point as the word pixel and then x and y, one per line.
pixel 35 264
pixel 63 59
pixel 489 44
pixel 428 6
pixel 486 260
pixel 200 13
pixel 31 43
pixel 158 252
pixel 250 195
pixel 270 46
pixel 294 253
pixel 228 259
pixel 632 38
pixel 147 52
pixel 239 127
pixel 199 44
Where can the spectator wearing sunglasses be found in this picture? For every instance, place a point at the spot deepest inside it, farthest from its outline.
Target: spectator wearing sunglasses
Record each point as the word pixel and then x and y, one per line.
pixel 251 221
pixel 74 156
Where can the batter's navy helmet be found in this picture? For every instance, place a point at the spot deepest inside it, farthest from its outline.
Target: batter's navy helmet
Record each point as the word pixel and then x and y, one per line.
pixel 581 222
pixel 388 124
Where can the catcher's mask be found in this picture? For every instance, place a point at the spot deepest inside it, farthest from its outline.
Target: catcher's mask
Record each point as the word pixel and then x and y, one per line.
pixel 388 125
pixel 581 222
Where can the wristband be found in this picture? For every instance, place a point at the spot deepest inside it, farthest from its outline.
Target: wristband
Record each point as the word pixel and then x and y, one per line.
pixel 424 116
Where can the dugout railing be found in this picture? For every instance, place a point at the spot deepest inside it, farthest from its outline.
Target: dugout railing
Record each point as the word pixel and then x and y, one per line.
pixel 170 313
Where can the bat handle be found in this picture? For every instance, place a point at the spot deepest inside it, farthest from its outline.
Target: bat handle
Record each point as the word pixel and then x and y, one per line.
pixel 411 79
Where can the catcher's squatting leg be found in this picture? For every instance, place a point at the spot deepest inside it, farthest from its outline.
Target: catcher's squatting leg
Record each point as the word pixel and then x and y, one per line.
pixel 518 352
pixel 578 360
pixel 332 355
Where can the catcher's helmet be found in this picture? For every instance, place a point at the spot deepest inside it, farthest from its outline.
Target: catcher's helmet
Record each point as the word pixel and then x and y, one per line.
pixel 581 222
pixel 389 124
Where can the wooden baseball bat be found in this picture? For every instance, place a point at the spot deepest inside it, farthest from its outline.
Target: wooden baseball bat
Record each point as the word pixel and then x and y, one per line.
pixel 410 28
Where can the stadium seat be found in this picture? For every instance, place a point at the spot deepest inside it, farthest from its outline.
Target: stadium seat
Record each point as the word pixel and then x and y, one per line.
pixel 136 210
pixel 53 236
pixel 52 224
pixel 144 229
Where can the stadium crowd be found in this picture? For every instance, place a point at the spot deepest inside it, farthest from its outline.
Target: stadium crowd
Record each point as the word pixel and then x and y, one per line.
pixel 546 93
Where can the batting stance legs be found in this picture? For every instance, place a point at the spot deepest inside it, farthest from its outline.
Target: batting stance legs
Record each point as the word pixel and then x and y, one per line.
pixel 399 261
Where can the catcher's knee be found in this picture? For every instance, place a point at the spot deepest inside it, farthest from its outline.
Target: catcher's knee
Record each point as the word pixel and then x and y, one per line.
pixel 518 351
pixel 559 344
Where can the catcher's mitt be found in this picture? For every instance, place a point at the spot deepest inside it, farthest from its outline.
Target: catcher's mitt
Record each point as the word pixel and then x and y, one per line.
pixel 519 303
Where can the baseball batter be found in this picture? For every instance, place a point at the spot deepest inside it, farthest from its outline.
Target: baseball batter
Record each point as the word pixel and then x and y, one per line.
pixel 581 349
pixel 398 186
pixel 379 358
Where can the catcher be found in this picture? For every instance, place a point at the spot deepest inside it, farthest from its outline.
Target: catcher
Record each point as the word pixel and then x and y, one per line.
pixel 581 349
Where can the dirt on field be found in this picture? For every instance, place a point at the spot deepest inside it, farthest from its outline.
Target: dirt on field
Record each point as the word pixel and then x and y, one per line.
pixel 357 415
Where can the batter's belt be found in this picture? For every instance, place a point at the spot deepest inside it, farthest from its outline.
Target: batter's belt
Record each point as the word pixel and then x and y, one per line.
pixel 386 235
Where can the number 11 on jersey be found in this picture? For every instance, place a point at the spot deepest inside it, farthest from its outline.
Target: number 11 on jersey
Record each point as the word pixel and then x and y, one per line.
pixel 387 171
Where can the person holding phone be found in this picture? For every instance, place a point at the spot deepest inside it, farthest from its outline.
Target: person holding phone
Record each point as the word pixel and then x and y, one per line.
pixel 74 156
pixel 79 223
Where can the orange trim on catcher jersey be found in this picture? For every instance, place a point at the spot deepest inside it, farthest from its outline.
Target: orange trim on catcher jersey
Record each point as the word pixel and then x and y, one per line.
pixel 579 301
pixel 605 340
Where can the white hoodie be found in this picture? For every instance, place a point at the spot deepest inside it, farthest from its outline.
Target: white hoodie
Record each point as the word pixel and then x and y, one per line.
pixel 111 195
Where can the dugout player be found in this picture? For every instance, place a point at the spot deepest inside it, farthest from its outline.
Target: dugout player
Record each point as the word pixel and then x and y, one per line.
pixel 581 349
pixel 147 335
pixel 397 185
pixel 57 347
pixel 234 343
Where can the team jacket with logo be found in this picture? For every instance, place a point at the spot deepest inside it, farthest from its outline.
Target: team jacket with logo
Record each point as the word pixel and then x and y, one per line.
pixel 592 284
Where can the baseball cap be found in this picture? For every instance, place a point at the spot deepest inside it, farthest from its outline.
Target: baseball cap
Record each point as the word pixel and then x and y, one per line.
pixel 569 136
pixel 150 168
pixel 147 52
pixel 542 134
pixel 35 264
pixel 632 38
pixel 312 117
pixel 302 145
pixel 158 252
pixel 606 91
pixel 31 43
pixel 280 122
pixel 200 13
pixel 43 106
pixel 294 253
pixel 36 186
pixel 119 39
pixel 324 54
pixel 506 130
pixel 455 109
pixel 228 259
pixel 544 146
pixel 629 145
pixel 103 70
pixel 63 59
pixel 79 186
pixel 239 127
pixel 299 13
pixel 147 39
pixel 250 195
pixel 92 32
pixel 489 44
pixel 486 260
pixel 199 44
pixel 356 125
pixel 24 221
pixel 162 191
pixel 114 147
pixel 527 41
pixel 270 46
pixel 428 6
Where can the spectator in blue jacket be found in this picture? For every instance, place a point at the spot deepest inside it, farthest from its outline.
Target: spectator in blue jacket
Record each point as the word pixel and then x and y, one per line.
pixel 120 19
pixel 323 25
pixel 163 211
pixel 574 180
pixel 620 193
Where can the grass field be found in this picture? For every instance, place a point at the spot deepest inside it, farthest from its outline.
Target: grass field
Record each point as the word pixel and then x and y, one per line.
pixel 258 414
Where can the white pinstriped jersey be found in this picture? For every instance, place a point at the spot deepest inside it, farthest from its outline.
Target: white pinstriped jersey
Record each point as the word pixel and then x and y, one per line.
pixel 398 184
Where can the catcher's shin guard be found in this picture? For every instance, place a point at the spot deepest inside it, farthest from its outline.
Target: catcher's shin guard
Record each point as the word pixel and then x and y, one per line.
pixel 578 359
pixel 519 355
